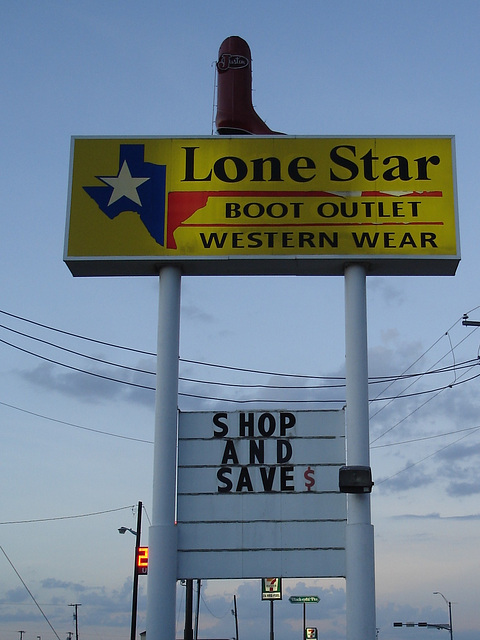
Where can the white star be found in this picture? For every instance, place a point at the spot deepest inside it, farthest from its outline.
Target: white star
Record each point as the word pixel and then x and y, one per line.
pixel 124 185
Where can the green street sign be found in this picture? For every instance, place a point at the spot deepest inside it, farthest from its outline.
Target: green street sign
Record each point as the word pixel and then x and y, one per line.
pixel 301 599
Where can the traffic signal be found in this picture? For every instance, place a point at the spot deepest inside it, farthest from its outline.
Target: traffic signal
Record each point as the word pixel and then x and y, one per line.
pixel 311 633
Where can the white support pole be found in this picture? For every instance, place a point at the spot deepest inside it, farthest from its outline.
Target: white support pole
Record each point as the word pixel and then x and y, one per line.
pixel 162 541
pixel 360 562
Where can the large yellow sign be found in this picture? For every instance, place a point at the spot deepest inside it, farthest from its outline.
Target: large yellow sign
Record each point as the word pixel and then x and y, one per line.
pixel 254 205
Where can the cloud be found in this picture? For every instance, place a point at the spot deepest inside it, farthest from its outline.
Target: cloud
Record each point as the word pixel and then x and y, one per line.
pixel 389 613
pixel 427 425
pixel 436 516
pixel 102 384
pixel 461 403
pixel 15 595
pixel 390 294
pixel 99 606
pixel 408 478
pixel 460 466
pixel 458 489
pixel 455 469
pixel 53 583
pixel 196 313
pixel 460 451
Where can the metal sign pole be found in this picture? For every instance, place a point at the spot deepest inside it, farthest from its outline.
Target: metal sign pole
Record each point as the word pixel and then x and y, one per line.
pixel 360 564
pixel 162 542
pixel 304 619
pixel 272 634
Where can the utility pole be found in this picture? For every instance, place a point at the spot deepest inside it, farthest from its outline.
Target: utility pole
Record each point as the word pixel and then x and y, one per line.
pixel 136 567
pixel 235 613
pixel 21 634
pixel 197 614
pixel 450 618
pixel 133 628
pixel 75 617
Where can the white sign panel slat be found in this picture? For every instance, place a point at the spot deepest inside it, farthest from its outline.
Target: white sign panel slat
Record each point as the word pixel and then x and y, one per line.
pixel 211 452
pixel 253 536
pixel 280 507
pixel 191 482
pixel 253 564
pixel 257 424
pixel 258 494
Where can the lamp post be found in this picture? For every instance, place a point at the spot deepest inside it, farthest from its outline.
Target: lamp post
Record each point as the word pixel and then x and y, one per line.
pixel 137 534
pixel 449 604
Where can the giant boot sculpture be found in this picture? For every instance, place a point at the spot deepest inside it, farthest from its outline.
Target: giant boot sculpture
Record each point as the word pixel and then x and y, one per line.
pixel 235 112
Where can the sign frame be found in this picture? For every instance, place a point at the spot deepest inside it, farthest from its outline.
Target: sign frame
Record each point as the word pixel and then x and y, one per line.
pixel 257 494
pixel 96 171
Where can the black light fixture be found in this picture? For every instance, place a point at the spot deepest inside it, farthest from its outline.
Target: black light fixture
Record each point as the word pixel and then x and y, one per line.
pixel 355 479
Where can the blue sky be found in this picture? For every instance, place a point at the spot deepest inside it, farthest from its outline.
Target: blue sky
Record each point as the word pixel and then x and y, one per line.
pixel 74 445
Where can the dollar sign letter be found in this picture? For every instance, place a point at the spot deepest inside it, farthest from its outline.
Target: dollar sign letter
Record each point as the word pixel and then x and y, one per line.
pixel 308 475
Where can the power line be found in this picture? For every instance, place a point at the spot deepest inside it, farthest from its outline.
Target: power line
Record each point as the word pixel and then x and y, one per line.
pixel 431 455
pixel 335 400
pixel 206 364
pixel 76 335
pixel 454 368
pixel 82 515
pixel 78 369
pixel 372 380
pixel 142 352
pixel 416 409
pixel 76 353
pixel 431 368
pixel 29 592
pixel 207 382
pixel 72 424
pixel 437 435
pixel 115 435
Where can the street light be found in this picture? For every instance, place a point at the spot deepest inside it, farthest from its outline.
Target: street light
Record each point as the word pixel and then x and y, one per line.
pixel 123 529
pixel 137 533
pixel 469 323
pixel 449 604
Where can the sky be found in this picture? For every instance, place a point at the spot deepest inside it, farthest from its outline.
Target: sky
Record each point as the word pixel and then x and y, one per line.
pixel 76 453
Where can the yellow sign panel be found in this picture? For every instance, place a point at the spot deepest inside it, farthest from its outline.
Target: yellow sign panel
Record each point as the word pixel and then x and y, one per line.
pixel 262 205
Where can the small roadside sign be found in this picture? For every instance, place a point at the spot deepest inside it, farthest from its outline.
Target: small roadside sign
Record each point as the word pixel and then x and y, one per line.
pixel 303 599
pixel 271 588
pixel 142 561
